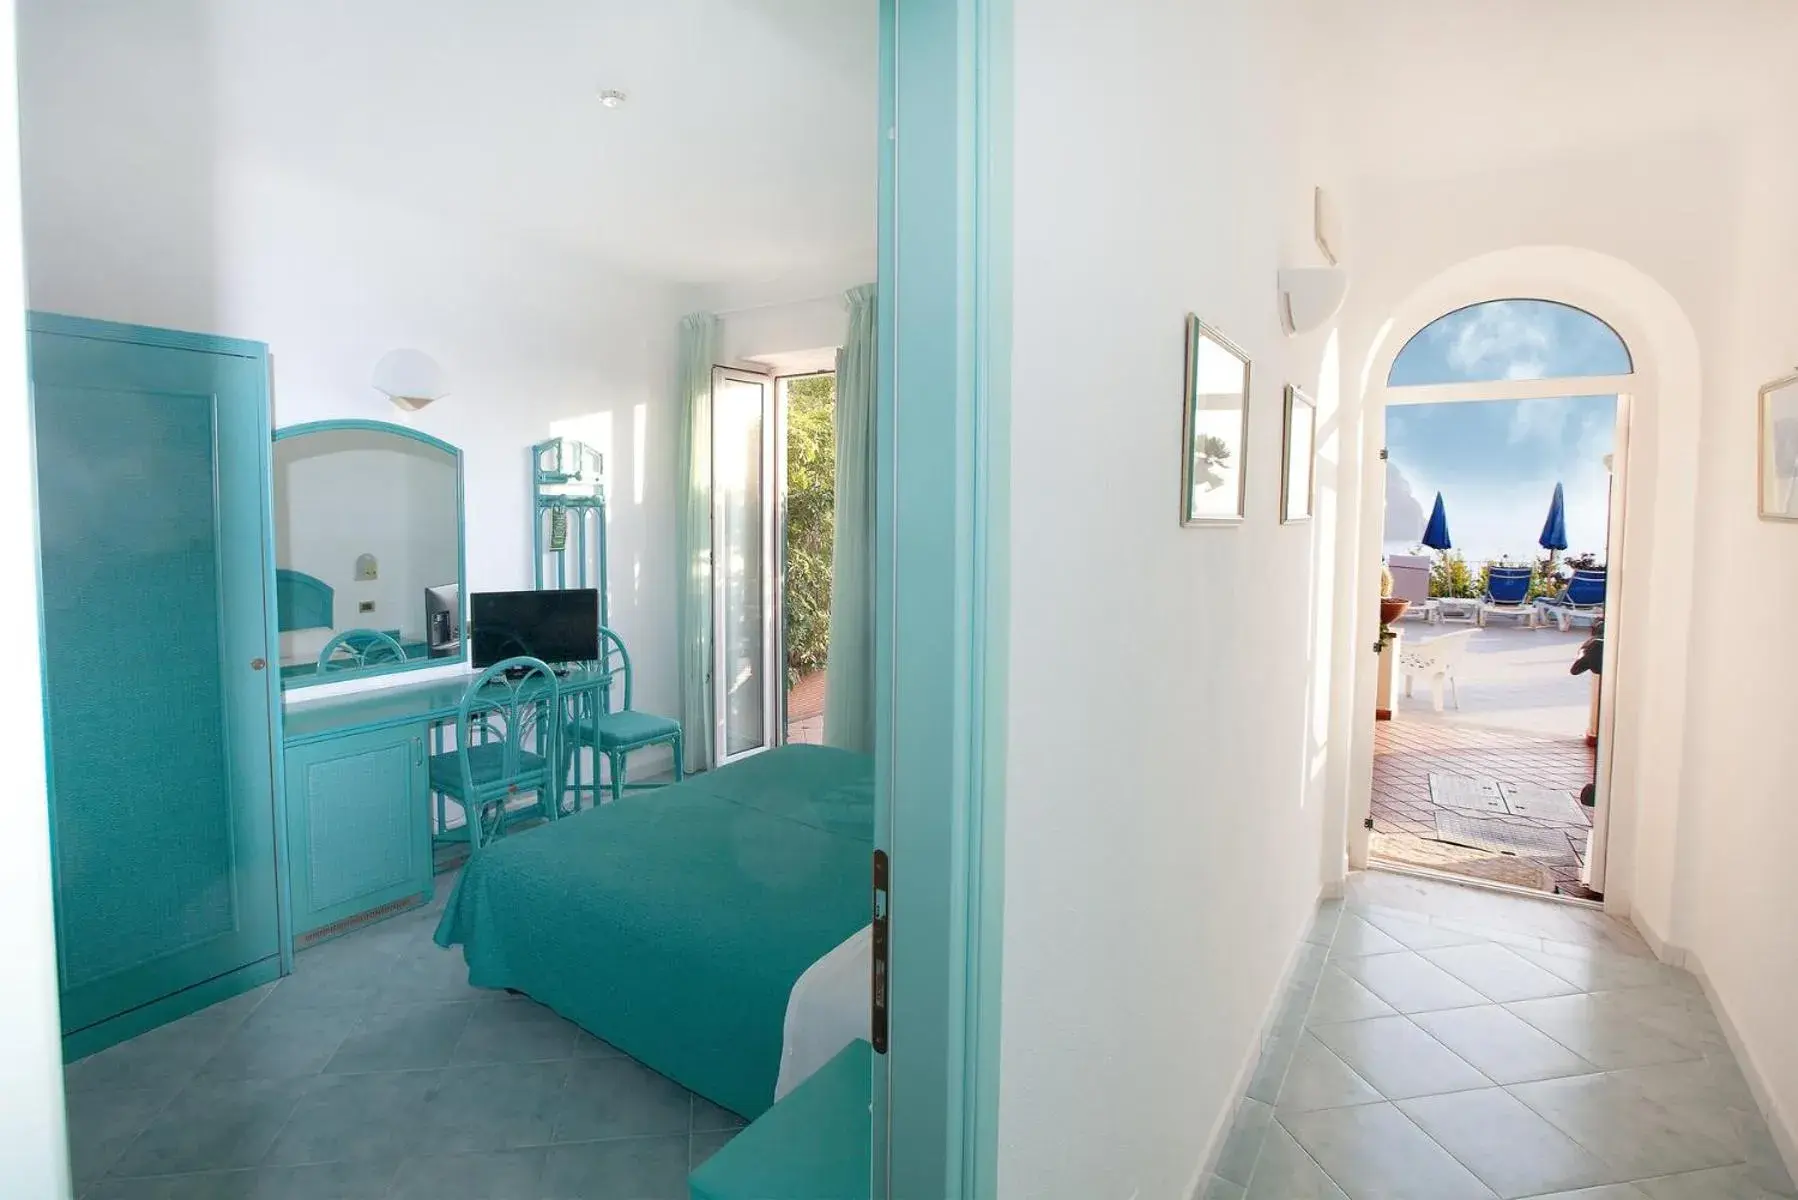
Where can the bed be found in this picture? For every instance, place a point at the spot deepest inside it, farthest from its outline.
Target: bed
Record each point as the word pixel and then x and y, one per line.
pixel 674 923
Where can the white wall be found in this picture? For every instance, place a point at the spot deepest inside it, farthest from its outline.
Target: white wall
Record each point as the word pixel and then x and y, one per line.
pixel 147 202
pixel 1634 158
pixel 33 1154
pixel 1164 788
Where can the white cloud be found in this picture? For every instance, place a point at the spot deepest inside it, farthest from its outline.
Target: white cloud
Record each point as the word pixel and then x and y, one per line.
pixel 1404 512
pixel 1511 336
pixel 1542 421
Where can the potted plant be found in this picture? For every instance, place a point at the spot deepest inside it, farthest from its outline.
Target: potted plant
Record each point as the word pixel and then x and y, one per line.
pixel 1390 610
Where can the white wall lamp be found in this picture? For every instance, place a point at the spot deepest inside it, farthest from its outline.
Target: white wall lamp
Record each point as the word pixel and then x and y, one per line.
pixel 1309 296
pixel 410 378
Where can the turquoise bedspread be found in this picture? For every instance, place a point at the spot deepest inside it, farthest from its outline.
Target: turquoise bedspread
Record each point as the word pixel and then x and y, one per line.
pixel 674 922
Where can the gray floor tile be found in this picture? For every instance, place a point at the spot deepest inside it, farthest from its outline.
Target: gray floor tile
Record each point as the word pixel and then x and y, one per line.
pixel 282 1044
pixel 214 1124
pixel 1623 1126
pixel 711 1118
pixel 1340 998
pixel 164 1059
pixel 523 1031
pixel 1356 937
pixel 328 1181
pixel 1418 933
pixel 432 974
pixel 1597 970
pixel 499 1106
pixel 1610 1191
pixel 1287 1172
pixel 1499 974
pixel 638 1168
pixel 1242 1145
pixel 1607 1029
pixel 103 1124
pixel 1399 1059
pixel 1375 1151
pixel 1726 1183
pixel 413 1037
pixel 363 1118
pixel 619 1098
pixel 1318 1079
pixel 588 1046
pixel 502 1175
pixel 703 1145
pixel 1410 983
pixel 1513 1151
pixel 1503 1047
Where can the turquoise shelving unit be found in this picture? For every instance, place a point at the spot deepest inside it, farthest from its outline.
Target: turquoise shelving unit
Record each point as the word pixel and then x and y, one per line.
pixel 568 531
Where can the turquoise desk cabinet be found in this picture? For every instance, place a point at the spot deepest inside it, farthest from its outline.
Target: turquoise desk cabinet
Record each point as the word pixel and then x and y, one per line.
pixel 358 829
pixel 154 550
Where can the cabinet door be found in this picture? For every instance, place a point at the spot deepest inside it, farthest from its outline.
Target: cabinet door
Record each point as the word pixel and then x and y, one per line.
pixel 152 481
pixel 359 831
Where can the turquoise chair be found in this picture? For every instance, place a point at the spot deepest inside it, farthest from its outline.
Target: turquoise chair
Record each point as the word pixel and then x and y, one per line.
pixel 614 733
pixel 505 745
pixel 359 648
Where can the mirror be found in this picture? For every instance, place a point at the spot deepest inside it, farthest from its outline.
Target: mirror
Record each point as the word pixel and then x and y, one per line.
pixel 1779 450
pixel 368 550
pixel 1215 431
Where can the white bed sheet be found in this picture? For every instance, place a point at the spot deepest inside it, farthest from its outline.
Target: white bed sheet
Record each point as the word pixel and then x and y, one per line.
pixel 827 1010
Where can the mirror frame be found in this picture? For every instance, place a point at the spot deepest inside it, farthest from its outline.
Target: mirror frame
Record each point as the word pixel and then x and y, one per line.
pixel 1763 451
pixel 340 425
pixel 1198 331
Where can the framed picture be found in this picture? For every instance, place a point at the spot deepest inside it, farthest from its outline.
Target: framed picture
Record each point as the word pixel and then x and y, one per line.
pixel 1779 450
pixel 1298 465
pixel 1215 432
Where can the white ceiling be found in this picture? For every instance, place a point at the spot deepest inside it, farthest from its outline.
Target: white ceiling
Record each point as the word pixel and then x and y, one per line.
pixel 746 151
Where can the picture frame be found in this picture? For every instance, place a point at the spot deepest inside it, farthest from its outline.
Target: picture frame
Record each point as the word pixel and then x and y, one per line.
pixel 1214 428
pixel 1298 461
pixel 1777 450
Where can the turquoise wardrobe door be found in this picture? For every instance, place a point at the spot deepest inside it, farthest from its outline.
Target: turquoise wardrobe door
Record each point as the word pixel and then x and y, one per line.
pixel 152 474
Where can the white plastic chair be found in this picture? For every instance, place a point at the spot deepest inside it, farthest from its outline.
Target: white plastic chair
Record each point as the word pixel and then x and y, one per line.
pixel 1436 660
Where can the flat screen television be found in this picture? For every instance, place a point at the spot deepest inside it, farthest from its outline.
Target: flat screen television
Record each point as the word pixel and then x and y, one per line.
pixel 555 626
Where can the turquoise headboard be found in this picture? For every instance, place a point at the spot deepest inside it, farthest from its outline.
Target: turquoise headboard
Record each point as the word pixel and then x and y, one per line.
pixel 302 601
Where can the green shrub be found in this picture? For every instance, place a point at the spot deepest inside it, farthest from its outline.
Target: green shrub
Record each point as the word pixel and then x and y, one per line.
pixel 1451 578
pixel 811 520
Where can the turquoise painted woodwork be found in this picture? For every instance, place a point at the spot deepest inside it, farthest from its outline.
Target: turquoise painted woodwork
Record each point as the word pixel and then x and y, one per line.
pixel 941 504
pixel 506 747
pixel 812 1145
pixel 416 654
pixel 158 603
pixel 357 824
pixel 568 518
pixel 426 701
pixel 614 733
pixel 303 601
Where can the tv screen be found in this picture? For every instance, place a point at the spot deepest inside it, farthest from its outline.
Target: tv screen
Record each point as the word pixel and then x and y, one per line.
pixel 555 626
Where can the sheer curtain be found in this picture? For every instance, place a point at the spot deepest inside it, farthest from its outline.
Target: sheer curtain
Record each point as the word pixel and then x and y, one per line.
pixel 849 676
pixel 693 536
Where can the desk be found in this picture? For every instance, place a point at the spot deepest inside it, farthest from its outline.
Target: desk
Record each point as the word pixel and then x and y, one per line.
pixel 356 781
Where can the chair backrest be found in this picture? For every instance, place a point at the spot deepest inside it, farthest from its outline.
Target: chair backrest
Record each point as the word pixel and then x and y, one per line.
pixel 1438 652
pixel 1410 577
pixel 515 703
pixel 615 660
pixel 359 648
pixel 1508 585
pixel 1586 588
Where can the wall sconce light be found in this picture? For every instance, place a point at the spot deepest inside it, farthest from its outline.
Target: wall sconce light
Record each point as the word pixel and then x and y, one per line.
pixel 1309 296
pixel 410 378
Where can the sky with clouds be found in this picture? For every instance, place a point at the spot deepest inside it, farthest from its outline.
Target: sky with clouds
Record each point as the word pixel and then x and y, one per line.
pixel 1496 462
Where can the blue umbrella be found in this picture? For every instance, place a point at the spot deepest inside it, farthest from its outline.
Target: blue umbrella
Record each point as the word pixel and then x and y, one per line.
pixel 1435 534
pixel 1554 530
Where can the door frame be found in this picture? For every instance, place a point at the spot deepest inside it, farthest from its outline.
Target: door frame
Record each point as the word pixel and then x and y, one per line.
pixel 942 592
pixel 1385 396
pixel 772 502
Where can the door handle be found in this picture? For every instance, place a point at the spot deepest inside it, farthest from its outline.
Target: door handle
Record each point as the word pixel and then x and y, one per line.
pixel 256 664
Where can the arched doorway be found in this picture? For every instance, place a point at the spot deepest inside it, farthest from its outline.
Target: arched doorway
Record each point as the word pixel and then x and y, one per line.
pixel 1640 791
pixel 1501 427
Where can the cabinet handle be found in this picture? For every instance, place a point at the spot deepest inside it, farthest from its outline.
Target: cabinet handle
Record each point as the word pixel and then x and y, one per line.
pixel 418 752
pixel 256 664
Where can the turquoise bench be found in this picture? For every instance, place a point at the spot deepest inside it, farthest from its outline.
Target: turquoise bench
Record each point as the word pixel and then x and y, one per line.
pixel 812 1145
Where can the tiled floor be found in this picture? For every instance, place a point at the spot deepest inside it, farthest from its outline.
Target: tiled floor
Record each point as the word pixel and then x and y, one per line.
pixel 1440 1043
pixel 805 711
pixel 1522 719
pixel 375 1072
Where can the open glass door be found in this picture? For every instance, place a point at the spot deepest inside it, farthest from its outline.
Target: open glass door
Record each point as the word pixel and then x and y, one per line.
pixel 746 670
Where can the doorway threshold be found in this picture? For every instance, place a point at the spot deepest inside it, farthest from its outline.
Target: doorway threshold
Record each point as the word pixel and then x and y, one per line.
pixel 1485 885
